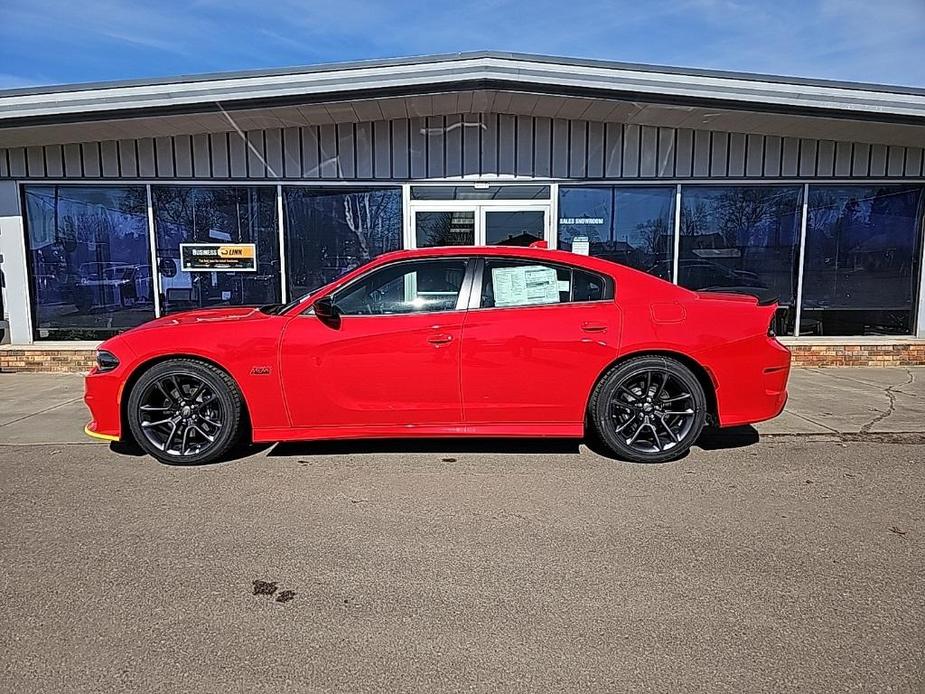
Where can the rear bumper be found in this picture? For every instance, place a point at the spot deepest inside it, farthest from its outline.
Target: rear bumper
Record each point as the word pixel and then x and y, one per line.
pixel 102 394
pixel 751 380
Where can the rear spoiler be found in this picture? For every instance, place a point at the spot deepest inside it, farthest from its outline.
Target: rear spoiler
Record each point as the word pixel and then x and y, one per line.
pixel 764 298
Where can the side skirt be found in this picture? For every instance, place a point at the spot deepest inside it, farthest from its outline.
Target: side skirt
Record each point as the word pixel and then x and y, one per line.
pixel 435 431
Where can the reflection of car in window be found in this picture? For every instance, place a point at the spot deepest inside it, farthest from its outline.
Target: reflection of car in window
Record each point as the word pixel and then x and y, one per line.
pixel 101 285
pixel 704 275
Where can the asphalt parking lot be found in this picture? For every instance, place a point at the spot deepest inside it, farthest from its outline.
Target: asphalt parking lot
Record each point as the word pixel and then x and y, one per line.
pixel 787 561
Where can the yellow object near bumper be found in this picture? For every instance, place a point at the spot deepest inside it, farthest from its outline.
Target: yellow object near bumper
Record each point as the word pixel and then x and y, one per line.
pixel 104 437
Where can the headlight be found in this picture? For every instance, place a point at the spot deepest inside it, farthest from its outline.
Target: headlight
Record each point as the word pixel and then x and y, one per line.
pixel 106 361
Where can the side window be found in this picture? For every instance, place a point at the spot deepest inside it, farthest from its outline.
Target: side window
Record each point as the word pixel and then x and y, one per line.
pixel 588 287
pixel 419 286
pixel 522 283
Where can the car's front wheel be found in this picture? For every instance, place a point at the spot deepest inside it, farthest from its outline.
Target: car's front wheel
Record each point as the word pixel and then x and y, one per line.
pixel 648 409
pixel 184 411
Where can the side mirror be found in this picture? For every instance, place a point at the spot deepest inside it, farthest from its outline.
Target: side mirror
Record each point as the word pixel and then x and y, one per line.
pixel 326 311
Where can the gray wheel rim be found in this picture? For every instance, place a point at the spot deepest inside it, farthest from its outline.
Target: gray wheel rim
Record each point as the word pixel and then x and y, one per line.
pixel 181 415
pixel 651 411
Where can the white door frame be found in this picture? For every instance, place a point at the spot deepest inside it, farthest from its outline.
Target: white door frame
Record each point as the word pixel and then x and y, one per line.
pixel 479 208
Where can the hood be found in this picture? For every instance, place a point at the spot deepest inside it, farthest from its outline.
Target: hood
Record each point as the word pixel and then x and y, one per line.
pixel 207 316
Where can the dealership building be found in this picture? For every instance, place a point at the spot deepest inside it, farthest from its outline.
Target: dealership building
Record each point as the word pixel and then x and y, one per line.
pixel 113 196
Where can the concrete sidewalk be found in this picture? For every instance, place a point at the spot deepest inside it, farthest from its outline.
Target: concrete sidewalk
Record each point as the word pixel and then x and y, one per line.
pixel 48 408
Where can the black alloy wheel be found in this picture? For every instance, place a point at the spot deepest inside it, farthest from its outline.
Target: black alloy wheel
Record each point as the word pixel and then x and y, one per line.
pixel 185 411
pixel 649 409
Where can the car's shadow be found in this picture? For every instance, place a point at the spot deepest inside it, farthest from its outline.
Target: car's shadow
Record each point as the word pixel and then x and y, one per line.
pixel 448 446
pixel 710 440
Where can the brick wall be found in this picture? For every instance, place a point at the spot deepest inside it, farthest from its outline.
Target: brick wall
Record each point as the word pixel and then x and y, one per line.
pixel 899 354
pixel 47 360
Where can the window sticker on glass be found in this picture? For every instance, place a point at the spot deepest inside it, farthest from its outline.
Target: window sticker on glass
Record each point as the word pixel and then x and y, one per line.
pixel 525 285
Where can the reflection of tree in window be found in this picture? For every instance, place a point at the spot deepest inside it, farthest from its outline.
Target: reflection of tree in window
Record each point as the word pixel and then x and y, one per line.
pixel 631 225
pixel 217 214
pixel 862 252
pixel 330 231
pixel 445 228
pixel 88 248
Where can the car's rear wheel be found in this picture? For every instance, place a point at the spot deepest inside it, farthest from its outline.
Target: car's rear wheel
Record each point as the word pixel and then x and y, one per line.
pixel 648 409
pixel 184 411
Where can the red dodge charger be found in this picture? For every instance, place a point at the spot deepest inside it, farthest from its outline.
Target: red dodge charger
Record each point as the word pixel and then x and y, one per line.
pixel 486 341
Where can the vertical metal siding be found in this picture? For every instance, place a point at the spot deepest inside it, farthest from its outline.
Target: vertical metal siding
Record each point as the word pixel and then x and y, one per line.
pixel 183 156
pixel 631 144
pixel 109 155
pixel 273 140
pixel 648 151
pixel 292 155
pixel 684 157
pixel 54 161
pixel 146 164
pixel 465 145
pixel 701 153
pixel 382 149
pixel 613 150
pixel 401 148
pixel 560 152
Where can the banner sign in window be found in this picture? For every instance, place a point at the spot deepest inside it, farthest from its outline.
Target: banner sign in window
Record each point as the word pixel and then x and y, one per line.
pixel 218 257
pixel 525 285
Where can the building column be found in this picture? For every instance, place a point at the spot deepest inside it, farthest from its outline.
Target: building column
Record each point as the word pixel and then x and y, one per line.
pixel 918 327
pixel 13 264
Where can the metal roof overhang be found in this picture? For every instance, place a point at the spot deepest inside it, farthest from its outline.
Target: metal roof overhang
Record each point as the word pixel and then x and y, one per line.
pixel 683 98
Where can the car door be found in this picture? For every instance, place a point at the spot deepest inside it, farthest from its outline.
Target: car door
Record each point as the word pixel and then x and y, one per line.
pixel 390 359
pixel 536 338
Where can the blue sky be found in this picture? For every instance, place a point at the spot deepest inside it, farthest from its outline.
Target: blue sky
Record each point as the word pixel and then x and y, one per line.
pixel 59 41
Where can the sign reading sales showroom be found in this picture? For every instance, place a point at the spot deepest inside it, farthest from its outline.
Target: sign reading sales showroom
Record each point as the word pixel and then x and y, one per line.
pixel 218 257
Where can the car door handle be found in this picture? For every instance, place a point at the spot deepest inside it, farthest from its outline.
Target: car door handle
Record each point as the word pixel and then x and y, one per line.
pixel 590 327
pixel 440 339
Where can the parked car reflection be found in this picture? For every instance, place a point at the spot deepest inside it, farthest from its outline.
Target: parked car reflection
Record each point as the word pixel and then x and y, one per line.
pixel 107 285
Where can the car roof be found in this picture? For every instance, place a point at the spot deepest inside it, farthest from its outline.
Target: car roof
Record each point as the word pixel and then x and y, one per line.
pixel 528 253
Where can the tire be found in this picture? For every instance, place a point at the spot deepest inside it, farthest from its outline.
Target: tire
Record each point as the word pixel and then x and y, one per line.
pixel 185 412
pixel 629 409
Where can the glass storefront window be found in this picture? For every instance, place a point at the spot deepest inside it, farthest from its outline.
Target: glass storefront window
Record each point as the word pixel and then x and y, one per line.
pixel 861 270
pixel 630 225
pixel 89 260
pixel 743 238
pixel 330 231
pixel 216 214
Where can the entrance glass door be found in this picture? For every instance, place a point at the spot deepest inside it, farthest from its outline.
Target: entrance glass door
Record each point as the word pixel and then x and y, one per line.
pixel 479 225
pixel 514 226
pixel 444 227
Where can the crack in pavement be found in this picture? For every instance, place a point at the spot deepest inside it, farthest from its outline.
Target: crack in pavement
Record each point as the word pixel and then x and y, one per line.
pixel 812 421
pixel 849 379
pixel 890 392
pixel 42 411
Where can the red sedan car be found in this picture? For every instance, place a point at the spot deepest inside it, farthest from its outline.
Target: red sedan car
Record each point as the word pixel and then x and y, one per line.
pixel 486 341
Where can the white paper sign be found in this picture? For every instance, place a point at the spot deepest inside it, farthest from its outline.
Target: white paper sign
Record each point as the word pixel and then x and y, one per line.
pixel 581 245
pixel 525 285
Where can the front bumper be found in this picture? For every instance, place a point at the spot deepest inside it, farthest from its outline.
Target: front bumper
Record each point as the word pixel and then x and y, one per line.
pixel 102 395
